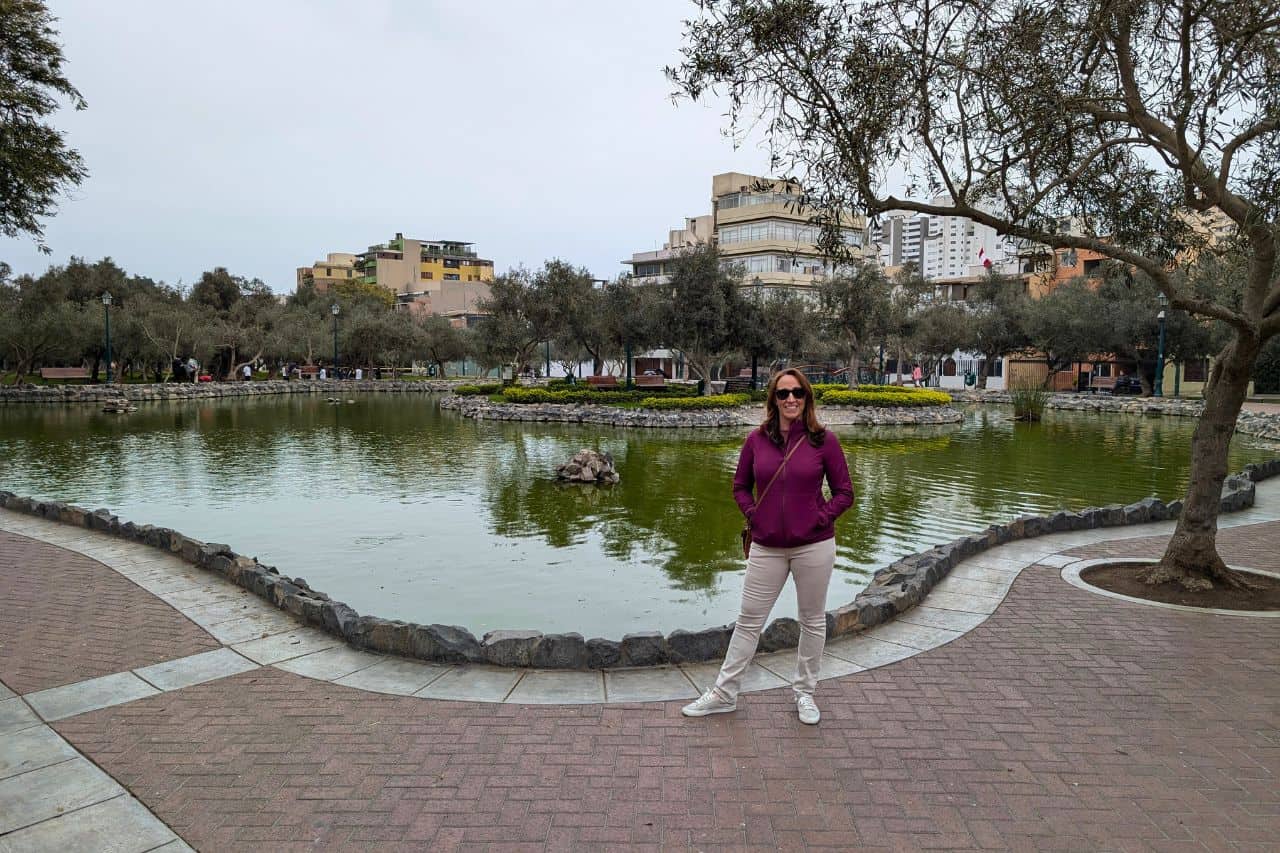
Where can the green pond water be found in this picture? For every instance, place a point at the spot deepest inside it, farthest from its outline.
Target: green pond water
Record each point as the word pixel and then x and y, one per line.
pixel 410 512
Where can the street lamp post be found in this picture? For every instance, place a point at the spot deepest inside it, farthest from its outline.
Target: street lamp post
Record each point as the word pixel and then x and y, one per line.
pixel 548 353
pixel 1159 384
pixel 106 312
pixel 333 309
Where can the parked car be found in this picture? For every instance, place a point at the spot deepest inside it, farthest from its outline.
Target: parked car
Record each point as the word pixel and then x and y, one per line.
pixel 1127 384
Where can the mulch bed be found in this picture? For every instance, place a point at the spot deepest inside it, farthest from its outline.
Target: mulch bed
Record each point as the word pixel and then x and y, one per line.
pixel 1126 579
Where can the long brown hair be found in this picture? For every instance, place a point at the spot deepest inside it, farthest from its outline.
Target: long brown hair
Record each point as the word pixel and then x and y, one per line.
pixel 809 417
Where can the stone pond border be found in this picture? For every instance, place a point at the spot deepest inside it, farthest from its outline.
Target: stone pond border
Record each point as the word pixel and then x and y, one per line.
pixel 1073 574
pixel 468 406
pixel 893 590
pixel 1257 424
pixel 481 408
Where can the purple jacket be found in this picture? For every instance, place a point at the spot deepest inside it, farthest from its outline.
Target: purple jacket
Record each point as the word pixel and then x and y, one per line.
pixel 794 512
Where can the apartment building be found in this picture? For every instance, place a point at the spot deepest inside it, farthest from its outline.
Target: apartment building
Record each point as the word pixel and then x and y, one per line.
pixel 444 277
pixel 337 267
pixel 756 224
pixel 943 247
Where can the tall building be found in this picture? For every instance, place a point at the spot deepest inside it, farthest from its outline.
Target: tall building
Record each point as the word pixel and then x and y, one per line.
pixel 430 276
pixel 942 247
pixel 337 267
pixel 756 224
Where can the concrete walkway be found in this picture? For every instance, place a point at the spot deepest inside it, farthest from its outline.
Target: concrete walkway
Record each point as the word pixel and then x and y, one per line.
pixel 1011 711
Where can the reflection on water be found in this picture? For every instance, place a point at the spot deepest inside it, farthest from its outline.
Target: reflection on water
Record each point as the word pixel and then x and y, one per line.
pixel 409 512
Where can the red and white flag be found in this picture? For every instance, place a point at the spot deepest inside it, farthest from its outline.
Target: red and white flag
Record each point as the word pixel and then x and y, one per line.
pixel 983 259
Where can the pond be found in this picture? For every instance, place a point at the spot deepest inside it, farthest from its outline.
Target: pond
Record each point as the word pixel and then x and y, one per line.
pixel 409 512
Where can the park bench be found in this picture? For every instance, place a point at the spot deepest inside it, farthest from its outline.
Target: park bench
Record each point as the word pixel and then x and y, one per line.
pixel 604 383
pixel 64 373
pixel 651 382
pixel 1102 383
pixel 308 371
pixel 738 384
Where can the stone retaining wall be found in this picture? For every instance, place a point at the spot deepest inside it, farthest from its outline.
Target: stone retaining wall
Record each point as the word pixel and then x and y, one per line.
pixel 893 590
pixel 1258 424
pixel 482 408
pixel 212 390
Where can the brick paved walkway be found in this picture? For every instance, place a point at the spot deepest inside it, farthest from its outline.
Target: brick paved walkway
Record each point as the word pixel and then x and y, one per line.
pixel 65 617
pixel 1066 721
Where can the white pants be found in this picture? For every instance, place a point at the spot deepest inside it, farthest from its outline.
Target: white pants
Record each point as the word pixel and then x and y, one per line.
pixel 767 571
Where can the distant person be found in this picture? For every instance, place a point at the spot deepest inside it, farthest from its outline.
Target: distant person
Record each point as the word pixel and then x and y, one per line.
pixel 791 530
pixel 193 369
pixel 916 375
pixel 359 373
pixel 322 373
pixel 247 373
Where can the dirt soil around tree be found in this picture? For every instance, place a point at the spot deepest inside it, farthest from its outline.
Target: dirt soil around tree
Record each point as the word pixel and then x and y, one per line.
pixel 1127 579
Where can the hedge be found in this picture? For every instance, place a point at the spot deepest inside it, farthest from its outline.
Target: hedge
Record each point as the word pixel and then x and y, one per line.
pixel 894 398
pixel 718 401
pixel 476 390
pixel 583 394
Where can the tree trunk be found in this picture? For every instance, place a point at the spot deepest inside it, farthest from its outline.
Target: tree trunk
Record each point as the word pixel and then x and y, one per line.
pixel 855 363
pixel 984 369
pixel 1192 555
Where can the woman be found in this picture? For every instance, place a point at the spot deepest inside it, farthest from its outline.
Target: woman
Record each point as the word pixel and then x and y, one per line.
pixel 792 533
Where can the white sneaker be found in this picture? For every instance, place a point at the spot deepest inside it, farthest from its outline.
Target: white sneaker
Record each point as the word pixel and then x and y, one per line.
pixel 709 703
pixel 809 713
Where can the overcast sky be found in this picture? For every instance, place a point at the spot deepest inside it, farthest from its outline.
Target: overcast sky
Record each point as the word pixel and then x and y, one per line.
pixel 261 135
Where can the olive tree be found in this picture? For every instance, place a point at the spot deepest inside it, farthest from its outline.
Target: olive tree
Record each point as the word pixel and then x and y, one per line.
pixel 1109 125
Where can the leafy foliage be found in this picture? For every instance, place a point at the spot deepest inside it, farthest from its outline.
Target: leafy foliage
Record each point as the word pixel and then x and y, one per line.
pixel 36 165
pixel 891 398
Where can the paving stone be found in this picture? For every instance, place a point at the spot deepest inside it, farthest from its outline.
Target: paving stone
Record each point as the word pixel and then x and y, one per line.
pixel 30 749
pixel 472 683
pixel 118 825
pixel 869 652
pixel 966 586
pixel 649 684
pixel 912 635
pixel 57 703
pixel 5 692
pixel 934 617
pixel 1058 561
pixel 755 678
pixel 195 669
pixel 51 791
pixel 280 647
pixel 999 577
pixel 395 675
pixel 963 603
pixel 994 561
pixel 252 627
pixel 330 664
pixel 15 716
pixel 91 622
pixel 563 687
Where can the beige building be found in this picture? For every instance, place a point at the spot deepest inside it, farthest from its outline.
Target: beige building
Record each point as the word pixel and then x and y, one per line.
pixel 428 276
pixel 337 267
pixel 757 225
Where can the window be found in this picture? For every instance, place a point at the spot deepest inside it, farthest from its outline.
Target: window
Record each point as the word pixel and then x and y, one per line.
pixel 451 263
pixel 451 276
pixel 427 275
pixel 996 368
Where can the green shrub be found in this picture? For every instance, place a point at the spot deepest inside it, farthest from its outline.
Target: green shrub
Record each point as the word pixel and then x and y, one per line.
pixel 895 398
pixel 718 401
pixel 581 393
pixel 476 390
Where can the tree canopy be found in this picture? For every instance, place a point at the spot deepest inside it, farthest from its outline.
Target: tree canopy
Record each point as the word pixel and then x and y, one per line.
pixel 36 165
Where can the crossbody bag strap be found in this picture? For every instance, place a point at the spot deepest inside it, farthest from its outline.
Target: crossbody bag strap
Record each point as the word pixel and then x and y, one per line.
pixel 781 465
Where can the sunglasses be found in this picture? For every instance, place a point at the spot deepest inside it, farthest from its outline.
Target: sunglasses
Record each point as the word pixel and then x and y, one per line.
pixel 784 393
